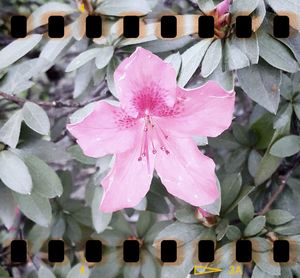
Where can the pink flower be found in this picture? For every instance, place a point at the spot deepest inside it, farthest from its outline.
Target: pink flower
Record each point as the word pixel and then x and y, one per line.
pixel 153 128
pixel 223 7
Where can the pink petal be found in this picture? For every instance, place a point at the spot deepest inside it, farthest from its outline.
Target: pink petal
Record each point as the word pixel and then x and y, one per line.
pixel 128 181
pixel 144 81
pixel 223 7
pixel 107 130
pixel 205 111
pixel 187 173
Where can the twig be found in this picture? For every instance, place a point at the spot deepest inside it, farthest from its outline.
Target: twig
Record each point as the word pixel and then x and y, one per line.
pixel 281 187
pixel 52 104
pixel 273 198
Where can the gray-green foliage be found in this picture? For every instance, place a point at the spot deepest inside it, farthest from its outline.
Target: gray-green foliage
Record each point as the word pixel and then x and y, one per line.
pixel 50 189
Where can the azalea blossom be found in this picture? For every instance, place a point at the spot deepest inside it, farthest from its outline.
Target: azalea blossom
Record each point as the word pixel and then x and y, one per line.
pixel 153 128
pixel 222 18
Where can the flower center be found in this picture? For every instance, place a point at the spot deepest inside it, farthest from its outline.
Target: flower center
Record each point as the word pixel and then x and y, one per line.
pixel 149 101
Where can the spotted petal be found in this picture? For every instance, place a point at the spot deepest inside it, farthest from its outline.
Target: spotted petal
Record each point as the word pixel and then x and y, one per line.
pixel 205 111
pixel 144 81
pixel 107 130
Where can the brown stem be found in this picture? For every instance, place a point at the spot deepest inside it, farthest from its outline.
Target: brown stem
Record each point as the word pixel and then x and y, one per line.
pixel 281 187
pixel 274 196
pixel 52 104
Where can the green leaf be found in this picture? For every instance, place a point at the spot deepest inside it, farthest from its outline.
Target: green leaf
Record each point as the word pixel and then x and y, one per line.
pixel 146 220
pixel 37 237
pixel 258 15
pixel 45 181
pixel 149 268
pixel 266 168
pixel 111 68
pixel 17 49
pixel 182 269
pixel 81 113
pixel 265 263
pixel 234 57
pixel 206 5
pixel 245 191
pixel 175 61
pixel 104 56
pixel 36 118
pixel 191 60
pixel 10 131
pixel 236 160
pixel 76 153
pixel 233 233
pixel 283 116
pixel 83 58
pixel 186 215
pixel 61 270
pixel 253 162
pixel 270 163
pixel 79 271
pixel 258 273
pixel 261 83
pixel 180 231
pixel 230 188
pixel 221 229
pixel 255 226
pixel 286 146
pixel 121 7
pixel 58 227
pixel 109 269
pixel 264 131
pixel 246 210
pixel 46 151
pixel 53 48
pixel 224 78
pixel 241 134
pixel 224 256
pixel 288 229
pixel 83 78
pixel 155 230
pixel 7 207
pixel 100 219
pixel 243 7
pixel 157 203
pixel 260 244
pixel 45 272
pixel 278 217
pixel 73 230
pixel 36 208
pixel 248 46
pixel 212 58
pixel 14 173
pixel 275 53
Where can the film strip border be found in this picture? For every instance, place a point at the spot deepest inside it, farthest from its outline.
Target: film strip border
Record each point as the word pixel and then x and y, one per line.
pixel 168 249
pixel 131 26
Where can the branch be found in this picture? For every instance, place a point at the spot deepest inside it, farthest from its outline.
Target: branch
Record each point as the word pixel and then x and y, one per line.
pixel 281 187
pixel 52 104
pixel 273 198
